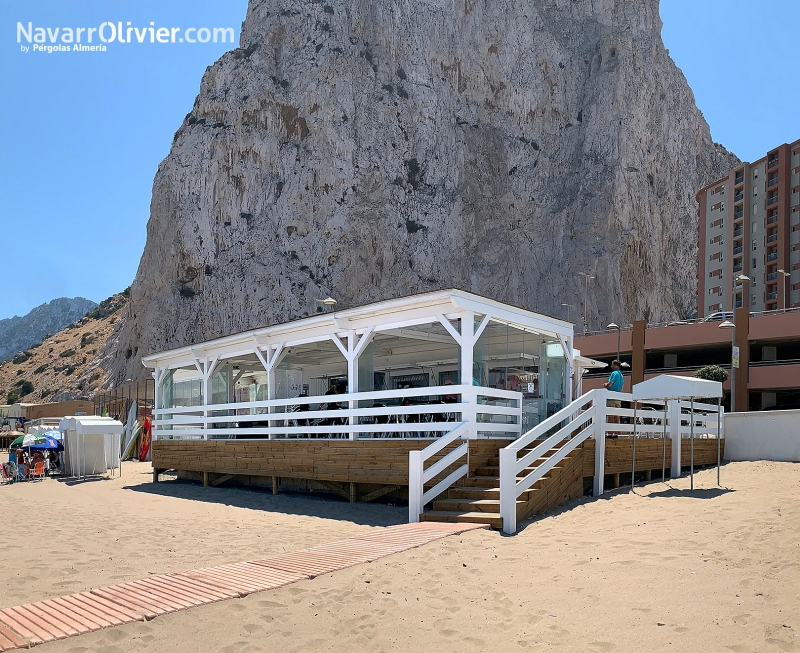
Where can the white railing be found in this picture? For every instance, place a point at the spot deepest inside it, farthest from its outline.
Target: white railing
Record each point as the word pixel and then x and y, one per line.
pixel 573 425
pixel 427 413
pixel 418 476
pixel 590 416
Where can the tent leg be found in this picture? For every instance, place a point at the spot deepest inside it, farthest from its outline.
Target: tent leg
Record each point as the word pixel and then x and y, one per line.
pixel 664 452
pixel 719 433
pixel 633 456
pixel 691 444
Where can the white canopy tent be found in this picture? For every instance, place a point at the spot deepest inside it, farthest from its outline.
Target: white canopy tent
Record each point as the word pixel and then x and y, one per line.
pixel 678 388
pixel 91 444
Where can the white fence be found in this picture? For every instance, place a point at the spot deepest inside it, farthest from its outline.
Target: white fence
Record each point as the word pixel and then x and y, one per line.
pixel 766 435
pixel 409 413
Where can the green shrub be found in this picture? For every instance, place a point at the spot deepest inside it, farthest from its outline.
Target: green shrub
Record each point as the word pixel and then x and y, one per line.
pixel 21 357
pixel 711 373
pixel 41 368
pixel 21 388
pixel 86 339
pixel 69 370
pixel 67 353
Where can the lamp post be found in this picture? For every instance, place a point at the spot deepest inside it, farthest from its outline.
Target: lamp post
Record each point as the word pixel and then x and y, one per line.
pixel 569 306
pixel 728 324
pixel 785 274
pixel 612 326
pixel 587 276
pixel 330 302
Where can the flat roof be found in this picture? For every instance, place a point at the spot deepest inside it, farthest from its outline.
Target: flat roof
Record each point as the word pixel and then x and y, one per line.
pixel 440 302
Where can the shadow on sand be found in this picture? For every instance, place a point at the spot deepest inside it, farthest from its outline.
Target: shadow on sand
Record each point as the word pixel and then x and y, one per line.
pixel 69 481
pixel 699 493
pixel 325 507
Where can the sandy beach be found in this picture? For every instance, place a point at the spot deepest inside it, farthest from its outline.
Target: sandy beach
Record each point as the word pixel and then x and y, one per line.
pixel 663 569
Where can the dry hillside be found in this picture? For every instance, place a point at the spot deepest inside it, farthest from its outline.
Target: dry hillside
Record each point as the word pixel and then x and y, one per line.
pixel 60 367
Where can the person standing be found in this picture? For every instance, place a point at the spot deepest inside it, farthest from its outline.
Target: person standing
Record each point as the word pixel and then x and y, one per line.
pixel 615 383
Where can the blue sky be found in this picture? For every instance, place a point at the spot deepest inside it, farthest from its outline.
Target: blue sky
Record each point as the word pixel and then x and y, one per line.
pixel 82 134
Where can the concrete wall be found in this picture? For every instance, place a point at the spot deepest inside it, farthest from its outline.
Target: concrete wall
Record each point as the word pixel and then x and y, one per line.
pixel 770 435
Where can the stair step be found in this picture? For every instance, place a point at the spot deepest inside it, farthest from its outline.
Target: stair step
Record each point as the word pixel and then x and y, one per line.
pixel 468 505
pixel 454 516
pixel 484 493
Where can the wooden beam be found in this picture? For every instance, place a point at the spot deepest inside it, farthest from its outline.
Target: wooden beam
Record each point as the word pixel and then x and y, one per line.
pixel 387 489
pixel 335 487
pixel 221 480
pixel 276 482
pixel 353 497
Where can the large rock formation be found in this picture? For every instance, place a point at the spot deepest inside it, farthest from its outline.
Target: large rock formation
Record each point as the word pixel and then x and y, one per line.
pixel 19 333
pixel 368 149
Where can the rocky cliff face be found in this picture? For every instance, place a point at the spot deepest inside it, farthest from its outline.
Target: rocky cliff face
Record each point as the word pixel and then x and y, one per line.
pixel 19 333
pixel 368 149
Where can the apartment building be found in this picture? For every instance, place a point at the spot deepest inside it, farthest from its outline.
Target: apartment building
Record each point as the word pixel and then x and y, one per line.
pixel 749 223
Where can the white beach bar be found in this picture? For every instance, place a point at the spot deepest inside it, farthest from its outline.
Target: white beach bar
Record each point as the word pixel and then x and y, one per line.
pixel 416 367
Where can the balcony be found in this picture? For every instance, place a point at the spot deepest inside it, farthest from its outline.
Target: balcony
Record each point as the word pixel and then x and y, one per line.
pixel 737 250
pixel 738 197
pixel 772 238
pixel 738 213
pixel 738 267
pixel 772 276
pixel 772 182
pixel 772 200
pixel 772 295
pixel 772 162
pixel 773 256
pixel 737 232
pixel 739 179
pixel 772 219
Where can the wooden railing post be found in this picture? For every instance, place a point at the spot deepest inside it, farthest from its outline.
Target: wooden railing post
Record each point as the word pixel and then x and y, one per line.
pixel 415 486
pixel 508 490
pixel 600 405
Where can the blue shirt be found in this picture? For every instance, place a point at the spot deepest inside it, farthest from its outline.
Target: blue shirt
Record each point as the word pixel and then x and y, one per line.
pixel 616 380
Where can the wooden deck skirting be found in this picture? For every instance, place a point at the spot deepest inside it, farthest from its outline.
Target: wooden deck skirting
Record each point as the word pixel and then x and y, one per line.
pixel 371 462
pixel 382 462
pixel 26 625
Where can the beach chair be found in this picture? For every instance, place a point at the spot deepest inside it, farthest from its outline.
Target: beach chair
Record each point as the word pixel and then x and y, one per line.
pixel 37 471
pixel 17 471
pixel 8 475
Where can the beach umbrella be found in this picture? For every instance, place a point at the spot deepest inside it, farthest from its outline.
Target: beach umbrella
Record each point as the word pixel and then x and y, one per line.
pixel 27 440
pixel 56 435
pixel 49 444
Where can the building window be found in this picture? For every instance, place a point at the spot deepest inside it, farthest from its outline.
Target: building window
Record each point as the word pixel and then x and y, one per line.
pixel 755 191
pixel 753 300
pixel 755 263
pixel 755 209
pixel 755 245
pixel 753 227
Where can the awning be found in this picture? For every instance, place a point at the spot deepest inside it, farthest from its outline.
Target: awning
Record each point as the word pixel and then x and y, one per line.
pixel 668 386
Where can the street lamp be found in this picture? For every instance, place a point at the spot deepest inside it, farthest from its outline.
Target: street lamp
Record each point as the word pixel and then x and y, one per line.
pixel 330 302
pixel 785 274
pixel 611 327
pixel 587 276
pixel 569 306
pixel 728 324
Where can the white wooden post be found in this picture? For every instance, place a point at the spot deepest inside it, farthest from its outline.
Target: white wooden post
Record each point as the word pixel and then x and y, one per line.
pixel 469 411
pixel 352 378
pixel 508 490
pixel 156 405
pixel 600 406
pixel 675 435
pixel 207 370
pixel 415 486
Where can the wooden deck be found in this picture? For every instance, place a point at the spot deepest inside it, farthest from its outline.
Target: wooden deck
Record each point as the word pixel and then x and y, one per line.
pixel 370 469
